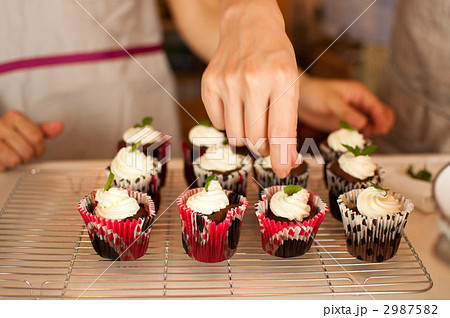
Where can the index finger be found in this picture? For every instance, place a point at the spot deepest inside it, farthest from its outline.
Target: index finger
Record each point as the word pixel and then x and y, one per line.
pixel 282 130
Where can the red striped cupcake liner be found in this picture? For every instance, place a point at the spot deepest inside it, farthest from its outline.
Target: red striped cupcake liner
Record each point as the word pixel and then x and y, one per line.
pixel 293 239
pixel 118 239
pixel 203 239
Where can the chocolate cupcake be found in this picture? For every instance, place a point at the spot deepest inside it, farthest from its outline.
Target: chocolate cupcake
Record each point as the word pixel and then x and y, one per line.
pixel 354 169
pixel 118 222
pixel 151 142
pixel 289 218
pixel 210 221
pixel 373 220
pixel 332 148
pixel 135 170
pixel 265 176
pixel 231 169
pixel 200 138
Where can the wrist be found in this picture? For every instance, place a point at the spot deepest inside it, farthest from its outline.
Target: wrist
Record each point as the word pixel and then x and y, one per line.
pixel 239 10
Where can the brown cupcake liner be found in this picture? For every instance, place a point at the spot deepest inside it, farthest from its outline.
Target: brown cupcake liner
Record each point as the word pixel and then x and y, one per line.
pixel 267 178
pixel 373 239
pixel 337 186
pixel 235 181
pixel 293 239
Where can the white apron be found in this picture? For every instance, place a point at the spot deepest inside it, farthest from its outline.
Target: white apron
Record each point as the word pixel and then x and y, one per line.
pixel 416 81
pixel 56 62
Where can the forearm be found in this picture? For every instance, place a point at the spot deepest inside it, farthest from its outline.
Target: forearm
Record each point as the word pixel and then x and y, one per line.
pixel 198 23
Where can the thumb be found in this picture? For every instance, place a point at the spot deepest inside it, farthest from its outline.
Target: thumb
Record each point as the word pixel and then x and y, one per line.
pixel 52 129
pixel 343 111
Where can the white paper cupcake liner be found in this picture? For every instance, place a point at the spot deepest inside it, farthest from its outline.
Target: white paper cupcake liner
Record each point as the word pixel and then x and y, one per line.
pixel 235 181
pixel 149 185
pixel 373 239
pixel 337 186
pixel 267 178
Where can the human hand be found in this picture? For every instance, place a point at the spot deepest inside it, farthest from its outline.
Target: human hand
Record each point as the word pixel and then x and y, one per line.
pixel 323 103
pixel 253 67
pixel 21 140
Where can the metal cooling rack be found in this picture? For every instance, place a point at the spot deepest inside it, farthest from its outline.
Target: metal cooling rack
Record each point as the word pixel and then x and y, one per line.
pixel 45 252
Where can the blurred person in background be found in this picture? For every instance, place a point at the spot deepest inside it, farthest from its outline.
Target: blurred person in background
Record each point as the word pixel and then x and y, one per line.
pixel 65 72
pixel 416 80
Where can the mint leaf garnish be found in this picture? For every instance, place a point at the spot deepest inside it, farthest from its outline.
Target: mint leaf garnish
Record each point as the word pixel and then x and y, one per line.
pixel 423 174
pixel 291 189
pixel 146 121
pixel 345 125
pixel 368 150
pixel 208 181
pixel 358 152
pixel 133 148
pixel 109 182
pixel 376 186
pixel 206 123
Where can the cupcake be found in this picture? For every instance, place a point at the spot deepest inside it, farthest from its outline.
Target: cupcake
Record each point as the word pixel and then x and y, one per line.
pixel 132 169
pixel 289 217
pixel 265 176
pixel 332 148
pixel 200 138
pixel 231 169
pixel 210 222
pixel 374 219
pixel 118 222
pixel 354 169
pixel 151 141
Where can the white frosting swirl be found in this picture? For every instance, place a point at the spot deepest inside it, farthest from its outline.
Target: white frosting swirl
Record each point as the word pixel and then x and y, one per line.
pixel 131 165
pixel 221 158
pixel 294 207
pixel 360 167
pixel 374 203
pixel 145 135
pixel 208 202
pixel 206 136
pixel 115 204
pixel 348 137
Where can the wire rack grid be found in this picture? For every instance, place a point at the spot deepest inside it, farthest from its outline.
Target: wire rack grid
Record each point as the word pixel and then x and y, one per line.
pixel 45 252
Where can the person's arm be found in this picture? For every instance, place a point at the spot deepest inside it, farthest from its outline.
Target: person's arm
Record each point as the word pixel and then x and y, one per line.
pixel 198 23
pixel 21 139
pixel 325 102
pixel 254 66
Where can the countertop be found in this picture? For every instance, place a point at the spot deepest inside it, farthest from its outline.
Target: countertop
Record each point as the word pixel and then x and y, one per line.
pixel 422 229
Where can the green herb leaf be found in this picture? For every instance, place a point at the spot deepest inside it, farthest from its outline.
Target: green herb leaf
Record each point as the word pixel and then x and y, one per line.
pixel 345 125
pixel 423 174
pixel 368 150
pixel 376 186
pixel 291 189
pixel 109 182
pixel 205 122
pixel 208 181
pixel 146 121
pixel 133 148
pixel 358 152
